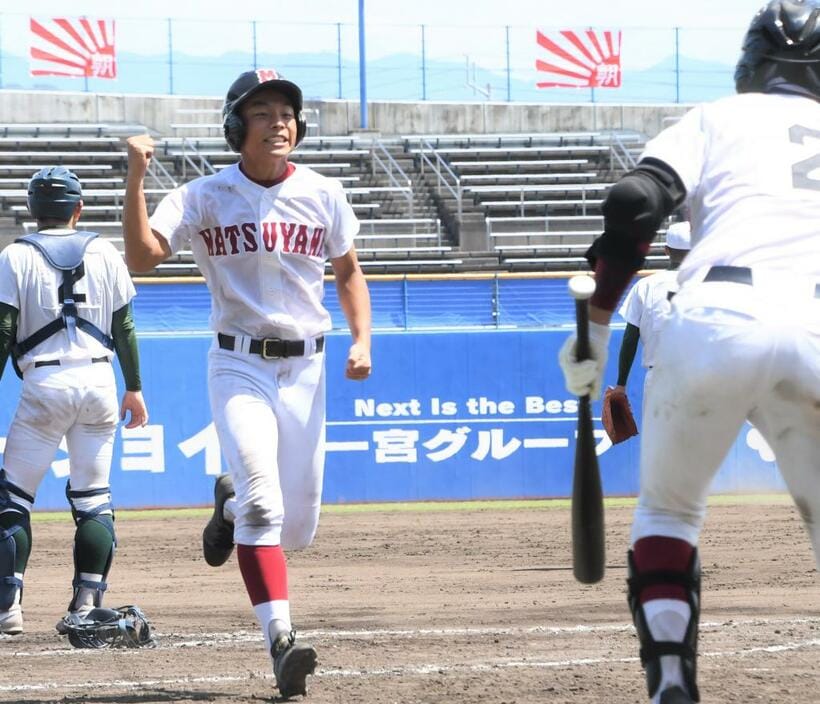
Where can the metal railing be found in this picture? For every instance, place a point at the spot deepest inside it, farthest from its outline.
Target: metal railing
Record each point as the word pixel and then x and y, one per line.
pixel 582 188
pixel 620 153
pixel 418 226
pixel 421 65
pixel 595 221
pixel 161 176
pixel 389 165
pixel 198 162
pixel 442 170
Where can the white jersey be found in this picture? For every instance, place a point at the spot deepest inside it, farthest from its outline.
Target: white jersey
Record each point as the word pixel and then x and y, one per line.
pixel 261 250
pixel 647 307
pixel 30 284
pixel 751 167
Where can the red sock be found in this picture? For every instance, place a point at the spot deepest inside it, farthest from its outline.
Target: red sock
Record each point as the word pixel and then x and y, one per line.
pixel 264 572
pixel 656 553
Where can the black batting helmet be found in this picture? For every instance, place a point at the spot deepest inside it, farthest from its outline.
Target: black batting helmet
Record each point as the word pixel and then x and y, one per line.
pixel 781 49
pixel 243 88
pixel 53 192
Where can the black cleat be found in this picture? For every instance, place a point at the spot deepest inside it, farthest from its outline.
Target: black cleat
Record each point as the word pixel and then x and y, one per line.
pixel 217 537
pixel 292 663
pixel 676 695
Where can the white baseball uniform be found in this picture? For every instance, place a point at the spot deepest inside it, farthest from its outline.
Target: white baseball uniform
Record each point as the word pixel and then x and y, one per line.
pixel 748 347
pixel 77 398
pixel 262 252
pixel 647 307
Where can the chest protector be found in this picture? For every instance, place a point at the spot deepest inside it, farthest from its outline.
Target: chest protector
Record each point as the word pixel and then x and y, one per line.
pixel 65 253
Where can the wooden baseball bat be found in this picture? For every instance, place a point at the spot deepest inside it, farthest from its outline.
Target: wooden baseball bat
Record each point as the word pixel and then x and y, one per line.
pixel 588 545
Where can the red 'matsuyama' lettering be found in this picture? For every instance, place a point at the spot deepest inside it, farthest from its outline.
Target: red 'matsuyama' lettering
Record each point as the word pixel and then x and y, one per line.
pixel 287 233
pixel 301 240
pixel 232 233
pixel 316 242
pixel 209 240
pixel 248 228
pixel 269 235
pixel 296 238
pixel 219 241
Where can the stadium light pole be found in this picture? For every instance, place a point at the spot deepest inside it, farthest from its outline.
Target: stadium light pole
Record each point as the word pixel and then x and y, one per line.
pixel 362 72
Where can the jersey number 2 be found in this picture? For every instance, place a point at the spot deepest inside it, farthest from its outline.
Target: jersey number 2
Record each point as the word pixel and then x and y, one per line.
pixel 802 170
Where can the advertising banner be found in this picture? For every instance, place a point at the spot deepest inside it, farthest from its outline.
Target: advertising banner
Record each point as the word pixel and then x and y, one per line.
pixel 445 416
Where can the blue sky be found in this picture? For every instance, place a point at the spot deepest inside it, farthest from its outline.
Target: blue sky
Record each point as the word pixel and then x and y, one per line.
pixel 457 33
pixel 712 30
pixel 631 13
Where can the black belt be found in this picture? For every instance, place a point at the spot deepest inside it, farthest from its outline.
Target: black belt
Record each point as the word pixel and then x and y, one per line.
pixel 734 274
pixel 56 362
pixel 271 347
pixel 739 275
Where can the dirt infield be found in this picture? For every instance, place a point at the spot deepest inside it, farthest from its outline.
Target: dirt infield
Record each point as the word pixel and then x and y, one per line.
pixel 448 606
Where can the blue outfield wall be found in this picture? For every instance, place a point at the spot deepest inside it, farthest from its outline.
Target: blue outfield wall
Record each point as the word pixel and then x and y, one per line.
pixel 447 414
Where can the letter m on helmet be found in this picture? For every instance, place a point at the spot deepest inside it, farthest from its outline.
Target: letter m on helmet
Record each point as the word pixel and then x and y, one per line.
pixel 267 74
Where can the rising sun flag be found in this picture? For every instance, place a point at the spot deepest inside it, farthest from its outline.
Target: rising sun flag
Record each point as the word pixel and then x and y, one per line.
pixel 587 59
pixel 72 48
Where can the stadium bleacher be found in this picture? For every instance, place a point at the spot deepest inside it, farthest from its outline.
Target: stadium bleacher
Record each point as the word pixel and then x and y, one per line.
pixel 426 202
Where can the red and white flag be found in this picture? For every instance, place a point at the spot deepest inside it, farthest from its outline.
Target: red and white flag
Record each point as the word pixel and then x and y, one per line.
pixel 585 59
pixel 72 48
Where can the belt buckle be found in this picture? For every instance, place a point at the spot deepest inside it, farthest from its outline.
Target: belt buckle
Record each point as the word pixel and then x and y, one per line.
pixel 272 341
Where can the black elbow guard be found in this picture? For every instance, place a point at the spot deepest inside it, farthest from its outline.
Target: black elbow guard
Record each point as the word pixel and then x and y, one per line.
pixel 633 211
pixel 637 204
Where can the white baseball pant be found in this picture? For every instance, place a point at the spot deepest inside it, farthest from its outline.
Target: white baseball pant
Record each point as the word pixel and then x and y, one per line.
pixel 270 420
pixel 731 352
pixel 78 401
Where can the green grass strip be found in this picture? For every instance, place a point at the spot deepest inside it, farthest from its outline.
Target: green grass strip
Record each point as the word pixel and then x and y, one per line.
pixel 429 507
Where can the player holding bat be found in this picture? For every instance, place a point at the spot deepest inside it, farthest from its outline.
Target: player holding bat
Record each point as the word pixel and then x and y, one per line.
pixel 743 339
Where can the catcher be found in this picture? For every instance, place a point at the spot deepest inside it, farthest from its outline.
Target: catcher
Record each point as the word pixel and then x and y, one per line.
pixel 65 313
pixel 645 308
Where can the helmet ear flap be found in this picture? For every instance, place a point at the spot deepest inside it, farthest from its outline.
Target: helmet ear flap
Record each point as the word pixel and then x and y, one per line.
pixel 301 126
pixel 234 128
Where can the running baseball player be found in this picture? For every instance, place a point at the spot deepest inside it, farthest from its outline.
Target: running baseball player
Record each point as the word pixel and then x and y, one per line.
pixel 261 232
pixel 65 309
pixel 648 304
pixel 743 339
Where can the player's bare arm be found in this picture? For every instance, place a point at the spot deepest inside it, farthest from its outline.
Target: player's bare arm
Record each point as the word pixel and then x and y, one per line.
pixel 144 248
pixel 354 298
pixel 133 405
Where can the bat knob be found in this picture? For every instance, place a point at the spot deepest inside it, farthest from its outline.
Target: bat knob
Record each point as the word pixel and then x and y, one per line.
pixel 581 287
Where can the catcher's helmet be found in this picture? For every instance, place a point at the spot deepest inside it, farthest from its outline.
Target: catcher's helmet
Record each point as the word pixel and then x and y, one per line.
pixel 243 88
pixel 123 627
pixel 781 50
pixel 53 192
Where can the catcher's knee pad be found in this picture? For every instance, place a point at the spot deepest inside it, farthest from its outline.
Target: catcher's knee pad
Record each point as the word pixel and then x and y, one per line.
pixel 91 508
pixel 652 650
pixel 13 497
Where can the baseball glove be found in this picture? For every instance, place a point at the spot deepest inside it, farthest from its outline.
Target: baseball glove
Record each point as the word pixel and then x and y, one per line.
pixel 123 627
pixel 617 416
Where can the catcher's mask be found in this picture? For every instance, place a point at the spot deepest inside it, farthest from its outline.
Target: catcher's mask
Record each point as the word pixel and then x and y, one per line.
pixel 123 627
pixel 53 193
pixel 244 87
pixel 781 50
